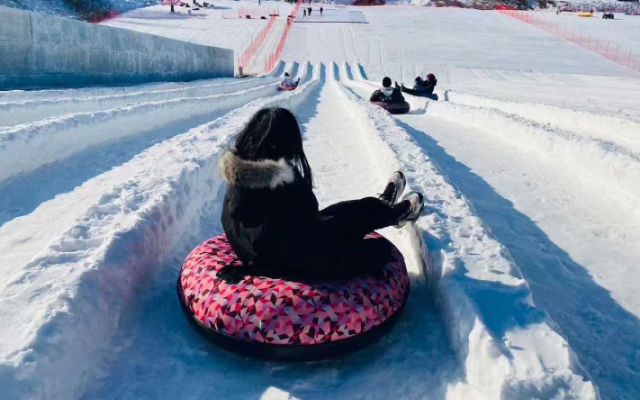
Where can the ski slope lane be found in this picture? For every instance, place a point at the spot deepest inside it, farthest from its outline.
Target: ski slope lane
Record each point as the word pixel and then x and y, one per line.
pixel 414 358
pixel 98 91
pixel 24 148
pixel 607 127
pixel 68 279
pixel 509 348
pixel 599 164
pixel 23 193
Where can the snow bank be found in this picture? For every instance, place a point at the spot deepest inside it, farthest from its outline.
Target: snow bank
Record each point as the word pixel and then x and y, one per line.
pixel 592 124
pixel 600 164
pixel 94 91
pixel 508 347
pixel 62 309
pixel 24 148
pixel 25 111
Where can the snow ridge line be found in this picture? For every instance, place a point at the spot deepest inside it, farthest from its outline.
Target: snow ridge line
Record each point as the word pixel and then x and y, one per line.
pixel 611 165
pixel 100 263
pixel 473 279
pixel 25 148
pixel 277 70
pixel 621 130
pixel 25 111
pixel 92 91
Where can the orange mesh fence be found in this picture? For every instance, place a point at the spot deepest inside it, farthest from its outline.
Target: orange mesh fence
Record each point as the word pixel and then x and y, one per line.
pixel 272 59
pixel 621 54
pixel 243 59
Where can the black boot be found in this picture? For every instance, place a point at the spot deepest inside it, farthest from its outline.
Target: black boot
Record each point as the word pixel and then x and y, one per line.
pixel 394 189
pixel 409 208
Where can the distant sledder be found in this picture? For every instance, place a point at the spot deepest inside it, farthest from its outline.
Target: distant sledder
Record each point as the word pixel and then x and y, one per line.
pixel 288 83
pixel 423 88
pixel 389 98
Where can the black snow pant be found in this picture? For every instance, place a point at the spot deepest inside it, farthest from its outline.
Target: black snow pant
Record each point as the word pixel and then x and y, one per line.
pixel 346 225
pixel 343 227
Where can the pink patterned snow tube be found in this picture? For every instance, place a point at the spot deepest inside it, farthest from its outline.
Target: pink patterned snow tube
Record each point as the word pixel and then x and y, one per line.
pixel 285 319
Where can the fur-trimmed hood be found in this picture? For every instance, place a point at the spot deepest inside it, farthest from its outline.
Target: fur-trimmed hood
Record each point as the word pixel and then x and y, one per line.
pixel 254 174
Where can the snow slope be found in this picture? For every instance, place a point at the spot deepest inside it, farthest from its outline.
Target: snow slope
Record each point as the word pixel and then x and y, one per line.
pixel 29 146
pixel 416 40
pixel 486 304
pixel 624 30
pixel 596 221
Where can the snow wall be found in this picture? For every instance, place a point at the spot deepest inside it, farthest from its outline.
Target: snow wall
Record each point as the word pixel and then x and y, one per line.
pixel 38 50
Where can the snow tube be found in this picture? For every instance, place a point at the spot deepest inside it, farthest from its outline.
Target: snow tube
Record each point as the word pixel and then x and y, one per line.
pixel 394 108
pixel 585 14
pixel 285 319
pixel 286 88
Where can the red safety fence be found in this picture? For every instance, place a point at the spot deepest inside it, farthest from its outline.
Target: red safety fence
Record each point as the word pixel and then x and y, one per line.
pixel 243 59
pixel 620 54
pixel 272 59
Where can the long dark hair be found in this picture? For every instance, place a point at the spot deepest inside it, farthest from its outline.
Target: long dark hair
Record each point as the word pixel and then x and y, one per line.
pixel 273 134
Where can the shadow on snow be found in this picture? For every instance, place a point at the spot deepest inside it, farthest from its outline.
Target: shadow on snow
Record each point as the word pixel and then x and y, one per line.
pixel 605 336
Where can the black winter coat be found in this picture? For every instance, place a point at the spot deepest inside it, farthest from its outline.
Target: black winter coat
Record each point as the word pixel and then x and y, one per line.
pixel 271 218
pixel 425 87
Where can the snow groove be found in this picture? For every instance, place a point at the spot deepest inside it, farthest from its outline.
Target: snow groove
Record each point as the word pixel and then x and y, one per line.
pixel 26 147
pixel 61 309
pixel 25 111
pixel 486 304
pixel 606 127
